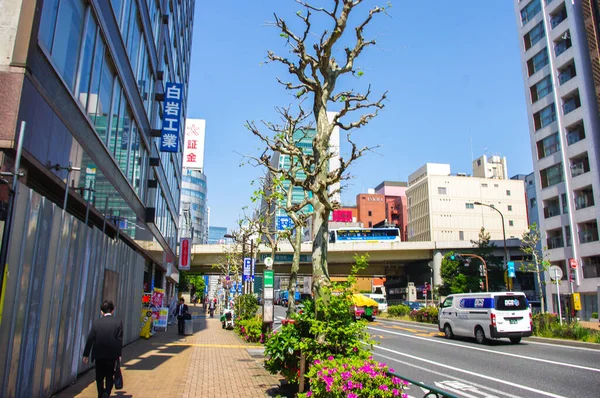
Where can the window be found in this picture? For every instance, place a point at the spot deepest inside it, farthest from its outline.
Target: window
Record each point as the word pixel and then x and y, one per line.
pixel 538 61
pixel 580 165
pixel 571 103
pixel 534 35
pixel 511 223
pixel 588 231
pixel 442 191
pixel 509 207
pixel 370 213
pixel 551 207
pixel 530 11
pixel 541 89
pixel 532 202
pixel 496 185
pixel 508 192
pixel 584 197
pixel 544 117
pixel 548 146
pixel 566 73
pixel 575 133
pixel 565 203
pixel 557 17
pixel 591 267
pixel 562 44
pixel 568 237
pixel 551 175
pixel 554 238
pixel 370 224
pixel 61 32
pixel 484 185
pixel 469 205
pixel 461 235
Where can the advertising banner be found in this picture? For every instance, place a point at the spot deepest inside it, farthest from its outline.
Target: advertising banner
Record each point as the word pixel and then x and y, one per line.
pixel 161 321
pixel 193 150
pixel 185 254
pixel 169 139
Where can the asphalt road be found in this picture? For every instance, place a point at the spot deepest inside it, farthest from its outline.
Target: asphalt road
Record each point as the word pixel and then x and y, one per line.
pixel 533 368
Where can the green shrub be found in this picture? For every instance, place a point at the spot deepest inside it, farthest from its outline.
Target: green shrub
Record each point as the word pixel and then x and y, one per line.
pixel 250 329
pixel 398 310
pixel 543 323
pixel 246 306
pixel 427 314
pixel 595 315
pixel 352 377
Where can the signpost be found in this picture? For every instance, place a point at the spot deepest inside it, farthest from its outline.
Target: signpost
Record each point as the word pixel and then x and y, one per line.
pixel 511 269
pixel 556 275
pixel 268 284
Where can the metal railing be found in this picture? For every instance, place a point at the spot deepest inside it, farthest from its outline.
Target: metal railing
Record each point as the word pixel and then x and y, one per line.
pixel 431 391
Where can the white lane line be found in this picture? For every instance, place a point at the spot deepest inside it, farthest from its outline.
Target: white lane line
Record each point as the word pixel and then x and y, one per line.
pixel 446 375
pixel 548 394
pixel 568 365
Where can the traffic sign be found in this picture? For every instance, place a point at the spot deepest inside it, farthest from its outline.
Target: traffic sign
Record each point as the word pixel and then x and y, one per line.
pixel 269 262
pixel 247 266
pixel 556 273
pixel 573 263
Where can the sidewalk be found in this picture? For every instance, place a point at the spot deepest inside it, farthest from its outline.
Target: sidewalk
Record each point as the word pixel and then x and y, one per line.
pixel 213 362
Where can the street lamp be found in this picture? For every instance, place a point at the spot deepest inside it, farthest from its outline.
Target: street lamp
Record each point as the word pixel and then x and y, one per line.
pixel 503 234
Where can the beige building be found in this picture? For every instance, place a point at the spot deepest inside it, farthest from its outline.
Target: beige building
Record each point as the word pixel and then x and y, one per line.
pixel 442 207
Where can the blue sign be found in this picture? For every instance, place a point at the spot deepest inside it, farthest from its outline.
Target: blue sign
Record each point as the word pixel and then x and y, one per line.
pixel 511 269
pixel 169 139
pixel 476 303
pixel 284 223
pixel 247 266
pixel 206 284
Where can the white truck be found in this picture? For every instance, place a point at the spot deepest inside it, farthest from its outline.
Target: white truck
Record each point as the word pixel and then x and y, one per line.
pixel 485 316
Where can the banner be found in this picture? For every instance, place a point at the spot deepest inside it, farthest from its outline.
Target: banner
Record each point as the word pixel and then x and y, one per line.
pixel 193 151
pixel 169 139
pixel 185 254
pixel 161 321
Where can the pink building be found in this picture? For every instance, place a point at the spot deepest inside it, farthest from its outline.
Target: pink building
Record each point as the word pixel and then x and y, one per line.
pixel 395 205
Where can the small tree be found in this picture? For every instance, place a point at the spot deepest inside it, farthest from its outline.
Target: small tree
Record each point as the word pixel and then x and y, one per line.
pixel 459 277
pixel 530 245
pixel 484 247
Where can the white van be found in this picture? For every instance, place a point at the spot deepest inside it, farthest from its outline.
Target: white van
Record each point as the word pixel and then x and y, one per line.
pixel 486 315
pixel 380 298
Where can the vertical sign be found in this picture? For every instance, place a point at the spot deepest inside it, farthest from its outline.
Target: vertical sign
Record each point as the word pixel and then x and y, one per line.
pixel 169 139
pixel 247 269
pixel 193 150
pixel 185 249
pixel 511 269
pixel 268 296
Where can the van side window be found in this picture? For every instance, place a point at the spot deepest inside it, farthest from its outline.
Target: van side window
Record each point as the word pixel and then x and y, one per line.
pixel 447 303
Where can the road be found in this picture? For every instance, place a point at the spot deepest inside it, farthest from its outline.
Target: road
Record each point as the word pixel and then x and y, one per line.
pixel 464 368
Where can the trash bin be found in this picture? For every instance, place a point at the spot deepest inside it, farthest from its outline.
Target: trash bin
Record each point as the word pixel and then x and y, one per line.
pixel 188 327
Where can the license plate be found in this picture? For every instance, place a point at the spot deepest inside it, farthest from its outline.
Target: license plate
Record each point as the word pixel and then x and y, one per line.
pixel 513 321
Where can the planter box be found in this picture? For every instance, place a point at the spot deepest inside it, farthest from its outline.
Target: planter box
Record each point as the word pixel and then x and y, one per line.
pixel 594 320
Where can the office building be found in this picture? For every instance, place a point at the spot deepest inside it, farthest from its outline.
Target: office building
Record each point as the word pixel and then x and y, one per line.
pixel 395 205
pixel 559 62
pixel 371 208
pixel 100 88
pixel 442 207
pixel 216 235
pixel 193 211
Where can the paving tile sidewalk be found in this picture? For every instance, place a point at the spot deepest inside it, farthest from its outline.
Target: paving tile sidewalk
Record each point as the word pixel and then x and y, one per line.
pixel 213 362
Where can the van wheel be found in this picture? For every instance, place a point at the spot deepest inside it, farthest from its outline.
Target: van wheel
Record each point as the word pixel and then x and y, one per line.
pixel 448 332
pixel 480 335
pixel 515 340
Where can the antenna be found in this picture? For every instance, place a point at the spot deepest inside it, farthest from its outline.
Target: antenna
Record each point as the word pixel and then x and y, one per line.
pixel 471 143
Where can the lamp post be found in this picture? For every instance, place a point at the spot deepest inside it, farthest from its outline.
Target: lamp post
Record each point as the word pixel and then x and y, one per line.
pixel 503 236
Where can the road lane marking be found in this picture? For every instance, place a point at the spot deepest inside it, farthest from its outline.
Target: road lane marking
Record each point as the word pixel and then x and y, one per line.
pixel 491 351
pixel 445 375
pixel 548 394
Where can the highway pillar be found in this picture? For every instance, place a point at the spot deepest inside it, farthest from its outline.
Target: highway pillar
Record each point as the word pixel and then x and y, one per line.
pixel 437 268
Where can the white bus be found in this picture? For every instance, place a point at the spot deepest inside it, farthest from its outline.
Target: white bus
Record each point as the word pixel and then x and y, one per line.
pixel 369 235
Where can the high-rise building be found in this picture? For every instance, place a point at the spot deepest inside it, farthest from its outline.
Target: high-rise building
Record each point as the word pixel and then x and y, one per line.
pixel 445 207
pixel 216 235
pixel 100 88
pixel 193 212
pixel 559 57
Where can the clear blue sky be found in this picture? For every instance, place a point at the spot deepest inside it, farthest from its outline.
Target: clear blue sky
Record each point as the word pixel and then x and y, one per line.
pixel 452 69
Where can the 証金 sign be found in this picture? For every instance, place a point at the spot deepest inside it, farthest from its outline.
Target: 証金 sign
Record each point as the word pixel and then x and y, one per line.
pixel 169 139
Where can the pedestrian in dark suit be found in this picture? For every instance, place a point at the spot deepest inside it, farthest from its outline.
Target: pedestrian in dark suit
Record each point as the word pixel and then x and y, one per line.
pixel 105 341
pixel 182 309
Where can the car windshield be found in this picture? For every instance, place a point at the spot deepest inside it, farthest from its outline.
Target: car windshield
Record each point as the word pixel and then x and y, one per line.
pixel 380 300
pixel 510 303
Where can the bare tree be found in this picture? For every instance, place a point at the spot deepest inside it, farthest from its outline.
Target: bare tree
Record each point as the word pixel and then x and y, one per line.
pixel 537 264
pixel 314 72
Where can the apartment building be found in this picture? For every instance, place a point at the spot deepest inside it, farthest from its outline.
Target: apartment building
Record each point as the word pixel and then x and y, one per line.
pixel 558 40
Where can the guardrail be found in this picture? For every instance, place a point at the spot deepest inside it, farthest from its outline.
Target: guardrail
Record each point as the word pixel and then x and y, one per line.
pixel 431 391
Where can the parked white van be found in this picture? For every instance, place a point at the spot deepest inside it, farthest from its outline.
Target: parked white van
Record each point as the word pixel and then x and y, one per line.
pixel 486 315
pixel 380 298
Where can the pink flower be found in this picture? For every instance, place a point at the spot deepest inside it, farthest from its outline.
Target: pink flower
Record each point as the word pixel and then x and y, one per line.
pixel 308 394
pixel 395 392
pixel 383 387
pixel 330 358
pixel 392 370
pixel 316 362
pixel 352 395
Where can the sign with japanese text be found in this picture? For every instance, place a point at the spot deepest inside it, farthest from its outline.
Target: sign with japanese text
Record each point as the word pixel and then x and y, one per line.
pixel 169 139
pixel 193 150
pixel 185 256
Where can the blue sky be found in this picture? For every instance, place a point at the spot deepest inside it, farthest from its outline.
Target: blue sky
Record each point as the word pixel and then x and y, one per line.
pixel 452 69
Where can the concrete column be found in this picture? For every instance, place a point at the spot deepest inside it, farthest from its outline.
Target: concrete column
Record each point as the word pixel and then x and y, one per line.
pixel 437 268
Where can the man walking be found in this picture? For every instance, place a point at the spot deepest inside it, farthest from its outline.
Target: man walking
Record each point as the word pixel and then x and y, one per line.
pixel 105 341
pixel 182 309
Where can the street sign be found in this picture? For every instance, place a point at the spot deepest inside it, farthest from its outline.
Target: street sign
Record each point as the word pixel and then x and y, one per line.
pixel 573 263
pixel 284 223
pixel 556 273
pixel 185 248
pixel 269 262
pixel 247 266
pixel 511 269
pixel 268 274
pixel 576 301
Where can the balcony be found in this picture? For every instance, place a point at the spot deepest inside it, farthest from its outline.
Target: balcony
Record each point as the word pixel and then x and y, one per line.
pixel 558 17
pixel 591 267
pixel 575 135
pixel 566 74
pixel 580 165
pixel 569 105
pixel 563 45
pixel 584 198
pixel 551 208
pixel 555 242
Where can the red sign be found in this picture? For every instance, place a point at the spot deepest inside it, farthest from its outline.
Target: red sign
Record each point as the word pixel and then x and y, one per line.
pixel 573 263
pixel 184 254
pixel 342 216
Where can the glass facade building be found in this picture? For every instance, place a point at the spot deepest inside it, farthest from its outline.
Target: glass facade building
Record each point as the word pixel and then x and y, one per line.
pixel 559 43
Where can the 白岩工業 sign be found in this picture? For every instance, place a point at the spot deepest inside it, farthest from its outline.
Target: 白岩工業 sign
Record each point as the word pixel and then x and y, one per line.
pixel 169 139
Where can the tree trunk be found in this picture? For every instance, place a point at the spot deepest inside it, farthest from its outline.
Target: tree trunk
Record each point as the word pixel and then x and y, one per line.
pixel 539 282
pixel 294 272
pixel 319 254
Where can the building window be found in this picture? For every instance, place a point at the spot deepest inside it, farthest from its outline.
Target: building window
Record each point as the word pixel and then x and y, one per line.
pixel 588 231
pixel 541 89
pixel 442 191
pixel 548 146
pixel 532 202
pixel 536 34
pixel 565 203
pixel 571 103
pixel 551 207
pixel 469 205
pixel 484 185
pixel 566 73
pixel 551 175
pixel 511 223
pixel 568 237
pixel 496 185
pixel 580 165
pixel 508 192
pixel 584 197
pixel 554 238
pixel 530 10
pixel 538 61
pixel 509 207
pixel 575 133
pixel 461 235
pixel 370 224
pixel 544 117
pixel 591 267
pixel 558 16
pixel 370 213
pixel 562 44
